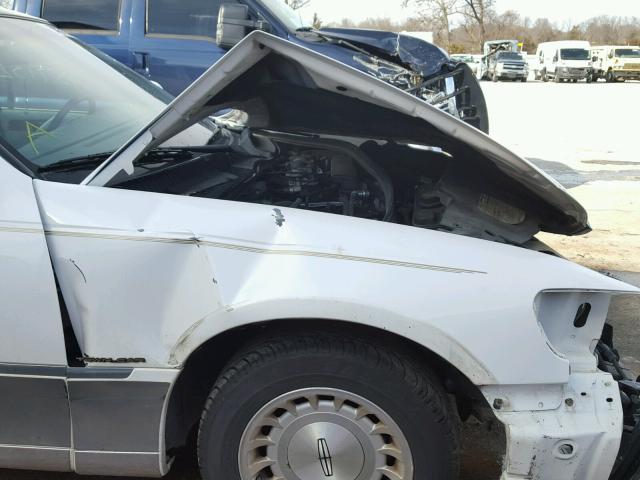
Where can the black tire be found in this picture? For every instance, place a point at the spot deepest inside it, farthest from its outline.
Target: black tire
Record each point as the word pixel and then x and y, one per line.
pixel 494 77
pixel 399 384
pixel 544 76
pixel 523 79
pixel 609 77
pixel 557 79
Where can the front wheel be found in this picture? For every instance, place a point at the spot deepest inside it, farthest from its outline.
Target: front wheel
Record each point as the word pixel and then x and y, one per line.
pixel 323 406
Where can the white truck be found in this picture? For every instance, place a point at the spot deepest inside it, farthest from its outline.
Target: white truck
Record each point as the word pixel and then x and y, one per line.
pixel 324 291
pixel 491 50
pixel 508 66
pixel 561 61
pixel 616 63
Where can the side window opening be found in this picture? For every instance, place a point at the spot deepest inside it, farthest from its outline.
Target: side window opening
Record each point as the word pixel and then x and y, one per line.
pixel 186 18
pixel 99 16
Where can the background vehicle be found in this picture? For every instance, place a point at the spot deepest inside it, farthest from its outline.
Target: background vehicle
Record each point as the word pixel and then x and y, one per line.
pixel 561 61
pixel 472 60
pixel 174 42
pixel 492 48
pixel 508 66
pixel 616 63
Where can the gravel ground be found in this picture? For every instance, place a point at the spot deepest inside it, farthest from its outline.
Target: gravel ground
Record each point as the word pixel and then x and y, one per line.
pixel 586 136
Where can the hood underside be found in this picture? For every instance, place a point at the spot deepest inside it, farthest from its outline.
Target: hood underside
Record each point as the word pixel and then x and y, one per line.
pixel 287 88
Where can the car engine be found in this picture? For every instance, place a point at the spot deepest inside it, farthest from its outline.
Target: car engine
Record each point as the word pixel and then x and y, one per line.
pixel 353 177
pixel 316 180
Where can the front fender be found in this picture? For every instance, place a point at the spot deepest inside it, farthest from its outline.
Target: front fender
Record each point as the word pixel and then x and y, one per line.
pixel 177 271
pixel 303 309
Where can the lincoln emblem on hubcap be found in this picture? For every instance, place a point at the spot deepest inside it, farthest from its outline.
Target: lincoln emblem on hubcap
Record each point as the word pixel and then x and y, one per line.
pixel 324 455
pixel 323 433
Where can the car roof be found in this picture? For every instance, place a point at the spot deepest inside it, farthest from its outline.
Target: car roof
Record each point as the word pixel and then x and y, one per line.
pixel 6 13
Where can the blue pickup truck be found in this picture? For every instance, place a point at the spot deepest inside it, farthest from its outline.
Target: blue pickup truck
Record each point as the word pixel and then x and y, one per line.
pixel 173 42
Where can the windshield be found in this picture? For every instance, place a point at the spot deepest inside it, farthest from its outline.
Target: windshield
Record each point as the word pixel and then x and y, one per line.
pixel 287 15
pixel 574 54
pixel 628 53
pixel 58 101
pixel 509 56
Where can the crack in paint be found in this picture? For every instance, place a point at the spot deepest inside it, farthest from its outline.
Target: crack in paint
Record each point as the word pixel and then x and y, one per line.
pixel 79 269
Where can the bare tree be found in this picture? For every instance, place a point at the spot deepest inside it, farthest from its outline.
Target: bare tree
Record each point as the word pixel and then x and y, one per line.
pixel 612 30
pixel 385 23
pixel 316 22
pixel 296 4
pixel 477 15
pixel 544 31
pixel 438 12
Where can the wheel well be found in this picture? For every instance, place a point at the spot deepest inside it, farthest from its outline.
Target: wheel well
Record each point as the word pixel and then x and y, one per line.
pixel 203 367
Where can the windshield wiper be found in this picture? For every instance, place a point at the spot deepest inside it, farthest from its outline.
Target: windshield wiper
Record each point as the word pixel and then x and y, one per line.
pixel 76 163
pixel 178 154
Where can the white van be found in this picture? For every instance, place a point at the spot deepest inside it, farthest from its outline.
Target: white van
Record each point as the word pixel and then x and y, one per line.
pixel 616 63
pixel 568 60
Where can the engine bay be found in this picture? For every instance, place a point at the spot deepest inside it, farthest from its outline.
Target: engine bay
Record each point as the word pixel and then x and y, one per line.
pixel 383 180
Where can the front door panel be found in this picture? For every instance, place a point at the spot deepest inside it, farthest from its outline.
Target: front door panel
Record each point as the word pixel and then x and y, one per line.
pixel 34 410
pixel 30 313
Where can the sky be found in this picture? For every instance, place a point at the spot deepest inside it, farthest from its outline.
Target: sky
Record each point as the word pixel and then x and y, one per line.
pixel 560 11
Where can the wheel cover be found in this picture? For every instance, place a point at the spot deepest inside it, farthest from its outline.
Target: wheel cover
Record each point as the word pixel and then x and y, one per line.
pixel 323 434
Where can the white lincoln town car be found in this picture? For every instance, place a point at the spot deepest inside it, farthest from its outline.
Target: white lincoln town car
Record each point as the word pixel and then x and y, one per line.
pixel 316 273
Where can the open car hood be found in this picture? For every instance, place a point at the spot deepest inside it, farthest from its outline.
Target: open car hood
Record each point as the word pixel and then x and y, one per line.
pixel 233 81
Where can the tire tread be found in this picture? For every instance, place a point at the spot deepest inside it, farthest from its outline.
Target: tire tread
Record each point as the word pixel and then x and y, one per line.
pixel 420 379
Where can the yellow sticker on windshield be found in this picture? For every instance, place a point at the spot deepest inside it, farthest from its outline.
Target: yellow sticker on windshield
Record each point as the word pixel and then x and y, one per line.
pixel 35 131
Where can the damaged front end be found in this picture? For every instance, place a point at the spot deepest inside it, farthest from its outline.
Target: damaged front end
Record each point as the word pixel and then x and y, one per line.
pixel 628 460
pixel 417 67
pixel 309 133
pixel 315 164
pixel 572 429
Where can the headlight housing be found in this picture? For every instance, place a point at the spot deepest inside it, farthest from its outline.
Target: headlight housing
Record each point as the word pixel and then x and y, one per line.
pixel 572 322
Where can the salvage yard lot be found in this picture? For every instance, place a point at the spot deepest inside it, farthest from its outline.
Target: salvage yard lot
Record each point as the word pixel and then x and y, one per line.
pixel 587 137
